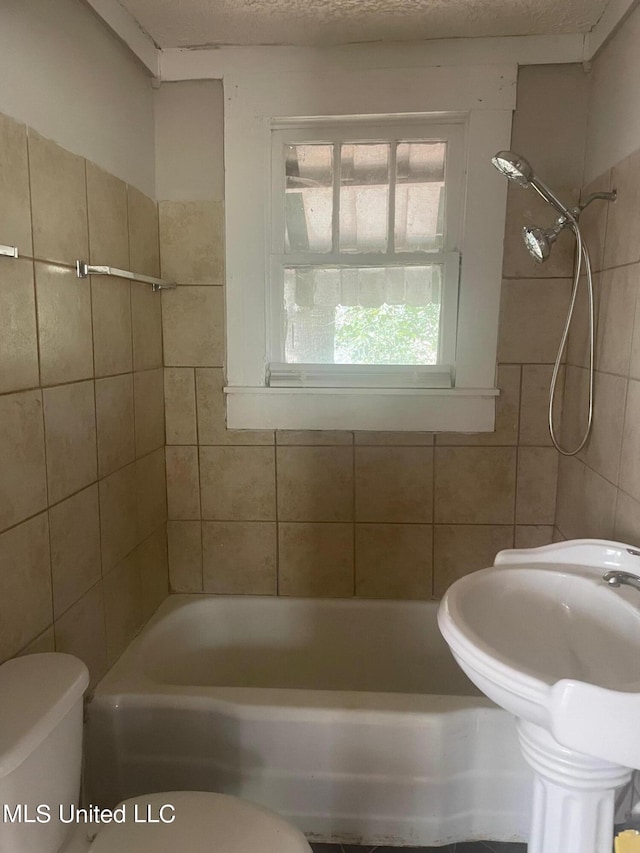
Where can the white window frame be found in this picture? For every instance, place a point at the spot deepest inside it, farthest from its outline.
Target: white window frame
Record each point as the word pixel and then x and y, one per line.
pixel 419 128
pixel 485 96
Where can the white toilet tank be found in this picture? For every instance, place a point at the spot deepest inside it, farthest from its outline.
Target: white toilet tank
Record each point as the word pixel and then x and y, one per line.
pixel 40 749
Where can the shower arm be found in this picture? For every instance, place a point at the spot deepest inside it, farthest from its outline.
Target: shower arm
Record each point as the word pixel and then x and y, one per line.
pixel 569 217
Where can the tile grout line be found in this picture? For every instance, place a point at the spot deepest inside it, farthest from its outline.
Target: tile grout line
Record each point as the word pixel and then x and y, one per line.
pixel 41 395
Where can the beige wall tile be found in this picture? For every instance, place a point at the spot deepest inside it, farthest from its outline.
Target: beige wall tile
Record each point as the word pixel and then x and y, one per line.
pixel 239 558
pixel 395 439
pixel 146 319
pixel 460 549
pixel 316 560
pixel 533 535
pixel 532 316
pixel 70 431
pixel 192 241
pixel 149 410
pixel 474 485
pixel 118 516
pixel 152 492
pixel 193 326
pixel 527 208
pixel 507 413
pixel 575 406
pixel 315 484
pixel 534 403
pixel 394 484
pixel 25 595
pixel 623 216
pixel 18 334
pixel 108 227
pixel 15 211
pixel 64 325
pixel 180 405
pixel 630 456
pixel 602 452
pixel 154 571
pixel 23 487
pixel 593 219
pixel 578 342
pixel 45 642
pixel 616 311
pixel 212 416
pixel 185 556
pixel 634 366
pixel 585 503
pixel 81 632
pixel 394 560
pixel 122 606
pixel 58 202
pixel 308 437
pixel 537 481
pixel 144 247
pixel 627 520
pixel 111 314
pixel 183 483
pixel 75 547
pixel 114 418
pixel 238 483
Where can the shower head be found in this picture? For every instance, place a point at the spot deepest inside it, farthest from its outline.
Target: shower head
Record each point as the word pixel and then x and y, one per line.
pixel 538 242
pixel 514 167
pixel 517 169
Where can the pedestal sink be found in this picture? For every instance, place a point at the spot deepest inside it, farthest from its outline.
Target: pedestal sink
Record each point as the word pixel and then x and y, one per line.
pixel 548 640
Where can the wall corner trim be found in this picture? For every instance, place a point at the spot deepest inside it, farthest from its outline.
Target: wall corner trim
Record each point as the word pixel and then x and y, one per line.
pixel 129 31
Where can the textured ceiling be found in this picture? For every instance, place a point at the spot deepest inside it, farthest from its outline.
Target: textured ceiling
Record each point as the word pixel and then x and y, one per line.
pixel 184 23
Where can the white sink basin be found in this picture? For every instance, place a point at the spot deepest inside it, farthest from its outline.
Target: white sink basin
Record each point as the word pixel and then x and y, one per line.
pixel 547 639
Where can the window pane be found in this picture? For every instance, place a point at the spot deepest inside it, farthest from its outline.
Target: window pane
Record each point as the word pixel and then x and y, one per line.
pixel 364 197
pixel 362 315
pixel 308 198
pixel 419 214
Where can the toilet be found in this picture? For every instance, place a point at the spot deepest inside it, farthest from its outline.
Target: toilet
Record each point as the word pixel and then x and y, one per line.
pixel 41 716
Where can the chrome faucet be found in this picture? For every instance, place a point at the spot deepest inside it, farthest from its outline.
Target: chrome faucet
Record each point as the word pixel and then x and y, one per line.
pixel 617 578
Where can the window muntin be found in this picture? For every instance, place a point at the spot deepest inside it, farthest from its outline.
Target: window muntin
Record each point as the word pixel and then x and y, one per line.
pixel 362 267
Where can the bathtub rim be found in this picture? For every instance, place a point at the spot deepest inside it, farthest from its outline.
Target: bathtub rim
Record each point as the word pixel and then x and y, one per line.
pixel 127 683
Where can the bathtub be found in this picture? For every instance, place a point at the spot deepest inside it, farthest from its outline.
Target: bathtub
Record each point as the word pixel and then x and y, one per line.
pixel 348 717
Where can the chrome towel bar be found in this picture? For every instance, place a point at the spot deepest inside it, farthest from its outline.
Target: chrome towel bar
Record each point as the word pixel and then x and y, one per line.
pixel 84 270
pixel 9 251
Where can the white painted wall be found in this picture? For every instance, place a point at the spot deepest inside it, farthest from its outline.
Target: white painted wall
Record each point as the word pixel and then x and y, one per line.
pixel 614 106
pixel 63 73
pixel 189 141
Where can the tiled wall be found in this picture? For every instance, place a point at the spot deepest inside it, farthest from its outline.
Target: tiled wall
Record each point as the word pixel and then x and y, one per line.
pixel 82 484
pixel 395 515
pixel 599 490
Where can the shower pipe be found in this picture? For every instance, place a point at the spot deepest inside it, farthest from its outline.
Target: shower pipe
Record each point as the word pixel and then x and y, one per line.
pixel 538 242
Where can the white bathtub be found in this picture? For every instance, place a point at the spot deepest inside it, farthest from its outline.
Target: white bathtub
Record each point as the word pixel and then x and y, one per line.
pixel 348 717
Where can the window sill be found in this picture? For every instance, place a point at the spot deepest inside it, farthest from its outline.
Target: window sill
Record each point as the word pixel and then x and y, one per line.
pixel 383 409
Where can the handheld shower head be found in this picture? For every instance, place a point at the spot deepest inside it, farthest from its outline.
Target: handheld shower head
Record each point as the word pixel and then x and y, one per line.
pixel 514 167
pixel 519 170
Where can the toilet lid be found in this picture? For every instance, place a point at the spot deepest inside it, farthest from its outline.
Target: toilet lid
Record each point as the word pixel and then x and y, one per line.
pixel 204 823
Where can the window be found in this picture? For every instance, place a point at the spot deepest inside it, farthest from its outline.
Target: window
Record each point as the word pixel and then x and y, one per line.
pixel 362 208
pixel 364 267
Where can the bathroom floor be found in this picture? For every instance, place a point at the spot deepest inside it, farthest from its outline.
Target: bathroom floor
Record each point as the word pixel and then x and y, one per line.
pixel 463 847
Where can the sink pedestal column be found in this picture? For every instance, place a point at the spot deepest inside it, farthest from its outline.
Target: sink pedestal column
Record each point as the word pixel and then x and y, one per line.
pixel 573 795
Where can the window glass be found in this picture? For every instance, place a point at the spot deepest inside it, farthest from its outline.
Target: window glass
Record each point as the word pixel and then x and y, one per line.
pixel 419 207
pixel 308 198
pixel 364 197
pixel 362 315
